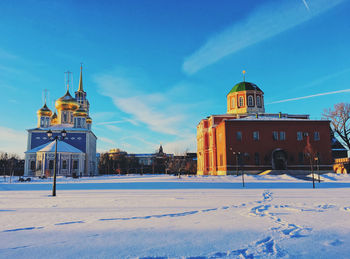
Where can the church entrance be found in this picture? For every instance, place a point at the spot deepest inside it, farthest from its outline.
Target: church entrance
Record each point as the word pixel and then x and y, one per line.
pixel 279 159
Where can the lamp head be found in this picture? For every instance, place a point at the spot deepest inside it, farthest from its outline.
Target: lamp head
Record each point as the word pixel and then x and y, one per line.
pixel 49 133
pixel 64 133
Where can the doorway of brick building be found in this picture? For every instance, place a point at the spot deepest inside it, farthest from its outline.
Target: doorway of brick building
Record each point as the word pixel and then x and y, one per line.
pixel 279 159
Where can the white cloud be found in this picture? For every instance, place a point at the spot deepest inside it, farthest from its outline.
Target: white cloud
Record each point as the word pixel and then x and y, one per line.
pixel 102 115
pixel 306 5
pixel 108 122
pixel 161 112
pixel 311 96
pixel 13 141
pixel 266 22
pixel 113 128
pixel 156 110
pixel 181 145
pixel 107 140
pixel 7 55
pixel 143 109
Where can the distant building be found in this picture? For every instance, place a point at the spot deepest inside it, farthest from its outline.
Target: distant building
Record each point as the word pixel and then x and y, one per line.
pixel 76 154
pixel 247 137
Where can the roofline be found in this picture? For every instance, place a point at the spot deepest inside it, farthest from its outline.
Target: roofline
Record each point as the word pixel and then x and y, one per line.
pixel 246 91
pixel 280 119
pixel 54 152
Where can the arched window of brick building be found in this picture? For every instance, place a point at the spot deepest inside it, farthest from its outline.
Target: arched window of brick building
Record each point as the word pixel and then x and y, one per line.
pixel 258 101
pixel 250 101
pixel 241 101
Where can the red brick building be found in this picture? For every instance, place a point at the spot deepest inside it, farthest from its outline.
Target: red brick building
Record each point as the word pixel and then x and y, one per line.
pixel 247 137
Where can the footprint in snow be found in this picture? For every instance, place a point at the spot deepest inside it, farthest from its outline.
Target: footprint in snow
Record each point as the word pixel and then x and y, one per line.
pixel 20 229
pixel 335 242
pixel 326 206
pixel 70 222
pixel 267 195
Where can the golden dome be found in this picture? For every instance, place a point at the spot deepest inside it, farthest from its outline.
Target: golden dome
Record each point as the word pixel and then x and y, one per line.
pixel 54 119
pixel 80 112
pixel 66 102
pixel 88 119
pixel 44 111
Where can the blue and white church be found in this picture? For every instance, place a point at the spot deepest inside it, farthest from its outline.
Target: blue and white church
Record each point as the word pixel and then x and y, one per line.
pixel 76 153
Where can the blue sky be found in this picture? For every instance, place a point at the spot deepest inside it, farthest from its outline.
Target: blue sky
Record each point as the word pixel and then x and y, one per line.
pixel 154 69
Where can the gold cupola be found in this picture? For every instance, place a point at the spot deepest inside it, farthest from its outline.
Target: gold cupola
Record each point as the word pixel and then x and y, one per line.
pixel 54 118
pixel 66 103
pixel 88 120
pixel 81 112
pixel 44 111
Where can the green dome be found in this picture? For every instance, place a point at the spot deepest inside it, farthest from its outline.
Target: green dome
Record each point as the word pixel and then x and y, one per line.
pixel 244 86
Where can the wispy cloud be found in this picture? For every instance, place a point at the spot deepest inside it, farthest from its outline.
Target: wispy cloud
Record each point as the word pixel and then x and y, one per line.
pixel 306 5
pixel 143 109
pixel 160 112
pixel 108 141
pixel 113 128
pixel 310 96
pixel 12 141
pixel 181 145
pixel 102 115
pixel 316 83
pixel 325 78
pixel 109 122
pixel 266 22
pixel 7 55
pixel 156 110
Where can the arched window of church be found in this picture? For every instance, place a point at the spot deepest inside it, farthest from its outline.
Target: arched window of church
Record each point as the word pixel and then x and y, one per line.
pixel 233 102
pixel 42 122
pixel 79 122
pixel 64 117
pixel 258 101
pixel 250 101
pixel 241 101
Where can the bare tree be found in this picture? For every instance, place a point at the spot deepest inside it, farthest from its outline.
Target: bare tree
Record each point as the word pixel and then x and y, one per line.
pixel 340 121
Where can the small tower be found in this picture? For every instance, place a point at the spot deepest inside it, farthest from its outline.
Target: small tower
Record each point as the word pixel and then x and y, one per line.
pixel 88 122
pixel 80 118
pixel 245 98
pixel 44 115
pixel 160 151
pixel 80 95
pixel 54 119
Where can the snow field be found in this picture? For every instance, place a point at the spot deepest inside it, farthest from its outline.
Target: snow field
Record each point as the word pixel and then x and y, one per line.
pixel 177 223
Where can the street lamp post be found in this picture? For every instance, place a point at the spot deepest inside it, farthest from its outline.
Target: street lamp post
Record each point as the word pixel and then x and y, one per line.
pixel 312 171
pixel 236 154
pixel 318 168
pixel 56 138
pixel 242 170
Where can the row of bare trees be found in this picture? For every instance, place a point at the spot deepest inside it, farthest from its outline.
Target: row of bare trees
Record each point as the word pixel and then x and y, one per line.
pixel 11 164
pixel 339 116
pixel 128 164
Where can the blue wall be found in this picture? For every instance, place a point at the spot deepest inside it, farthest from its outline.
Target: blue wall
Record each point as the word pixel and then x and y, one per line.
pixel 40 138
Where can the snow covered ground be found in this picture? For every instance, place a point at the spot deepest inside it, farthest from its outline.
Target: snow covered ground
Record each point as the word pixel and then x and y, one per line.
pixel 160 216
